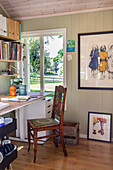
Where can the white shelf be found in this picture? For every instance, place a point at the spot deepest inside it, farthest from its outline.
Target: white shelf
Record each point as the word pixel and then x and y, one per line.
pixel 13 75
pixel 13 61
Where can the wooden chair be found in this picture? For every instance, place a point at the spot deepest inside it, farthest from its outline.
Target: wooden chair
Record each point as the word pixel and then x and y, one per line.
pixel 55 123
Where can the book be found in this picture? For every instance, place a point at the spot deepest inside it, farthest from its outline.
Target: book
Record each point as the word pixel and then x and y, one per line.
pixel 5 50
pixel 23 98
pixel 20 52
pixel 18 98
pixel 19 31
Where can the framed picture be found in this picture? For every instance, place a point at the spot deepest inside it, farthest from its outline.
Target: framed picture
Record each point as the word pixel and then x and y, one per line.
pixel 95 60
pixel 99 126
pixel 70 45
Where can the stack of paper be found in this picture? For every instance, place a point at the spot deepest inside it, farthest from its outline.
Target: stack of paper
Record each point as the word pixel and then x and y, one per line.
pixel 3 105
pixel 19 98
pixel 23 98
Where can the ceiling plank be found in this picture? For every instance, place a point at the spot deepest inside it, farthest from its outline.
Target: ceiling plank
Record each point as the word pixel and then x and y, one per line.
pixel 67 7
pixel 59 14
pixel 4 10
pixel 40 8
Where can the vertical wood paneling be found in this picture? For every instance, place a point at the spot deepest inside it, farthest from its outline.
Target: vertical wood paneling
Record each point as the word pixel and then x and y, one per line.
pixel 68 25
pixel 83 23
pixel 4 81
pixel 82 93
pixel 82 110
pixel 91 22
pixel 60 21
pixel 108 20
pixel 94 100
pixel 4 84
pixel 75 29
pixel 99 20
pixel 107 101
pixel 49 25
pixel 79 102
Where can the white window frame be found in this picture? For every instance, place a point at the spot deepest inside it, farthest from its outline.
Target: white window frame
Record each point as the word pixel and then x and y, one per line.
pixel 41 34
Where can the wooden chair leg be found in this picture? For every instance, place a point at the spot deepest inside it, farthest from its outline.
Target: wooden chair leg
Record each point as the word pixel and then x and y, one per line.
pixel 29 136
pixel 62 142
pixel 54 139
pixel 35 145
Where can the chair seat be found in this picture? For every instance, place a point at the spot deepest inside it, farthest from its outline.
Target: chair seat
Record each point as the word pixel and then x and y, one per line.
pixel 43 122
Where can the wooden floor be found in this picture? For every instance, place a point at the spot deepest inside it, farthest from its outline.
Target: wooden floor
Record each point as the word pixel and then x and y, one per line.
pixel 87 155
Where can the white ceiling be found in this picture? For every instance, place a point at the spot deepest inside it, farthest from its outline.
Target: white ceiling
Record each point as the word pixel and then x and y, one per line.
pixel 28 9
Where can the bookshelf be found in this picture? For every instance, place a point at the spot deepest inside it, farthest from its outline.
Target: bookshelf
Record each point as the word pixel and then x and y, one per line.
pixel 12 75
pixel 9 61
pixel 10 46
pixel 2 37
pixel 11 52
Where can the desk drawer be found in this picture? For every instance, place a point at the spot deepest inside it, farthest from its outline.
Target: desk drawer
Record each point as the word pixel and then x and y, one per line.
pixel 48 101
pixel 48 112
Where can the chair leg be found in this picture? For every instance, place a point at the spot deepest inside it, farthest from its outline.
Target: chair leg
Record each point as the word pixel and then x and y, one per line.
pixel 35 145
pixel 62 142
pixel 54 139
pixel 29 136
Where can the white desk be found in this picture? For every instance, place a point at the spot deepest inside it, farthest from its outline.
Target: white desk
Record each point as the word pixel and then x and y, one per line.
pixel 24 111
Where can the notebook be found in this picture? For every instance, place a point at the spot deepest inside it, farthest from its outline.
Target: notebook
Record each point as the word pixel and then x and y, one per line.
pixel 3 105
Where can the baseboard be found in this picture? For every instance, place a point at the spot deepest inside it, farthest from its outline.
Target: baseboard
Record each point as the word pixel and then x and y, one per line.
pixel 85 136
pixel 24 140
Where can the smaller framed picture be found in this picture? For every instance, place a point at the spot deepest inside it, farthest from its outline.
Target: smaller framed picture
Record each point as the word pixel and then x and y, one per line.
pixel 99 126
pixel 70 45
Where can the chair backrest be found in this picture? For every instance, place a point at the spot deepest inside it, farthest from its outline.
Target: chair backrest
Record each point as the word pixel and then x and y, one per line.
pixel 59 103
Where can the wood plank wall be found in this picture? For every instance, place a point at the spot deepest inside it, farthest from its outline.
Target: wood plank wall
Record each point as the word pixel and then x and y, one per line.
pixel 79 101
pixel 4 81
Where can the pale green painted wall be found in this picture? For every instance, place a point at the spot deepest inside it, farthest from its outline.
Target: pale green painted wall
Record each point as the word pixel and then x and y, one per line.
pixel 79 102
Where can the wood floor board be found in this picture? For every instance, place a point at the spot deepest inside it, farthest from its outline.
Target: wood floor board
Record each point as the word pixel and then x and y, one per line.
pixel 87 155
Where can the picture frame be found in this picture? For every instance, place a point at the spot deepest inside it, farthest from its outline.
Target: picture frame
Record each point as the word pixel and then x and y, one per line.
pixel 70 45
pixel 95 60
pixel 99 126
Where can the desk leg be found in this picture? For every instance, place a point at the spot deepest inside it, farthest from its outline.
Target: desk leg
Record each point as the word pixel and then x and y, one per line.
pixel 21 121
pixel 18 124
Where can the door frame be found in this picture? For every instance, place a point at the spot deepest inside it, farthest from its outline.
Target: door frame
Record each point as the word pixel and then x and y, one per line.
pixel 41 34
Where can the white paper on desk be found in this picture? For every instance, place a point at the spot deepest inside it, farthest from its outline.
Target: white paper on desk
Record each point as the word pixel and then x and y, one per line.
pixel 3 105
pixel 3 99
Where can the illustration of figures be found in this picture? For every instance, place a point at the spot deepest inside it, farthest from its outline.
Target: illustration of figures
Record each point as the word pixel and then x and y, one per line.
pixel 110 61
pixel 94 63
pixel 103 61
pixel 95 120
pixel 102 121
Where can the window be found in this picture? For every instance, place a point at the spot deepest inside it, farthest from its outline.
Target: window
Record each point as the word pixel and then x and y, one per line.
pixel 44 64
